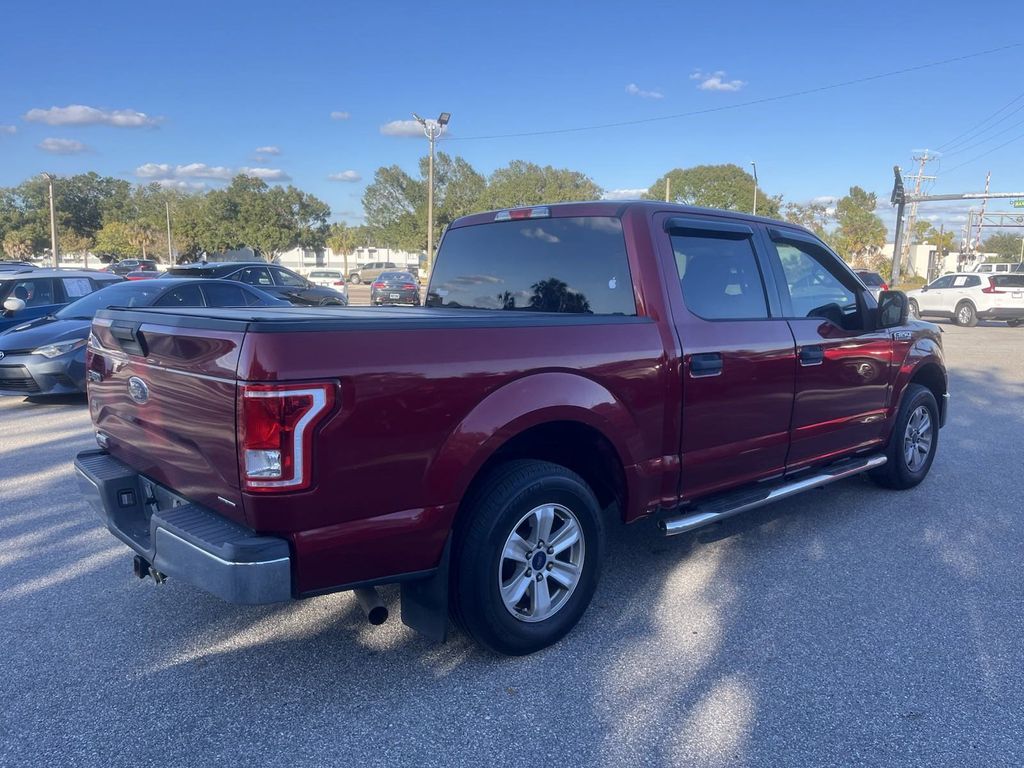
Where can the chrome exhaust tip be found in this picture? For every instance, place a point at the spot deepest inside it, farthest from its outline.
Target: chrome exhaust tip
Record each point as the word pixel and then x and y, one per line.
pixel 374 608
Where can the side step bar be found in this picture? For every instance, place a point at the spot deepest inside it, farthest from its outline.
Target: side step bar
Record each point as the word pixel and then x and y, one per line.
pixel 719 508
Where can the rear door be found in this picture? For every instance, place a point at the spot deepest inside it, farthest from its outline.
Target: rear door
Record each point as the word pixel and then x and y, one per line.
pixel 176 422
pixel 739 361
pixel 842 379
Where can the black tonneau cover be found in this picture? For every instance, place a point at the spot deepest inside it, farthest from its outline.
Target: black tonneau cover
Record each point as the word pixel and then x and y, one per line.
pixel 285 319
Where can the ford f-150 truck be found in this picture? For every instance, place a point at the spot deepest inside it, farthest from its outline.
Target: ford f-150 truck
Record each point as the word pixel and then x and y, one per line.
pixel 575 366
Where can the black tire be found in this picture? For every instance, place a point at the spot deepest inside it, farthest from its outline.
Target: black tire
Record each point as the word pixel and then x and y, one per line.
pixel 1013 323
pixel 965 315
pixel 500 505
pixel 896 472
pixel 915 311
pixel 354 279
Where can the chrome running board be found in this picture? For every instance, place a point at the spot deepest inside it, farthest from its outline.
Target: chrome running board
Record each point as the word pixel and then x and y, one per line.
pixel 720 507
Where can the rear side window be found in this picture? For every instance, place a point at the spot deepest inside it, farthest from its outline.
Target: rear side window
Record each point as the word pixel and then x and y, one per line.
pixel 720 277
pixel 224 294
pixel 253 276
pixel 185 296
pixel 572 265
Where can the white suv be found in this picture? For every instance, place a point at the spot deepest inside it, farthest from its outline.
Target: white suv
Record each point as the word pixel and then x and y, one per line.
pixel 967 297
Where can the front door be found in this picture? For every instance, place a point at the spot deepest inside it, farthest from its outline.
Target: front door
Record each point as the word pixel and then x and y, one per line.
pixel 842 380
pixel 739 361
pixel 934 299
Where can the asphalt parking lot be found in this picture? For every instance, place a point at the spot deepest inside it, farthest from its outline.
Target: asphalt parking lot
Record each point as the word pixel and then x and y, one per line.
pixel 851 625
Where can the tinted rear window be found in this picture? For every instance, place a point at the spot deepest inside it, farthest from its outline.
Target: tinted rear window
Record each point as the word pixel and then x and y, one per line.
pixel 1008 281
pixel 871 278
pixel 573 265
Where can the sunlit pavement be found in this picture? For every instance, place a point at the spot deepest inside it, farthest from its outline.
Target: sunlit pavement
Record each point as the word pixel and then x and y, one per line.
pixel 848 626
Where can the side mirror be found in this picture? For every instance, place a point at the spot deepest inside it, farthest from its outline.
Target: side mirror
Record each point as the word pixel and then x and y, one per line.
pixel 924 287
pixel 893 309
pixel 13 305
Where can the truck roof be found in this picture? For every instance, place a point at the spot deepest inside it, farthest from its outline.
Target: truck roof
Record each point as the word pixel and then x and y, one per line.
pixel 618 208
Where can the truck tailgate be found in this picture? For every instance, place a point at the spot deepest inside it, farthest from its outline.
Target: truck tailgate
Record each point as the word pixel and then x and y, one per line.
pixel 162 398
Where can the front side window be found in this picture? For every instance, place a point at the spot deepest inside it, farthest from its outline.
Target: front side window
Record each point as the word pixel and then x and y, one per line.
pixel 572 265
pixel 35 293
pixel 719 276
pixel 284 277
pixel 814 289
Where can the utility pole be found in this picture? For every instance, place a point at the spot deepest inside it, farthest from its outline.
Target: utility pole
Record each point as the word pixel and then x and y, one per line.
pixel 668 189
pixel 984 202
pixel 170 246
pixel 432 129
pixel 53 223
pixel 754 166
pixel 922 159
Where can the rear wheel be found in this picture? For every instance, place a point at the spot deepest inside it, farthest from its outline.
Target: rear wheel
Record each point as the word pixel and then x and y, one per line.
pixel 528 557
pixel 1013 323
pixel 965 314
pixel 915 311
pixel 913 442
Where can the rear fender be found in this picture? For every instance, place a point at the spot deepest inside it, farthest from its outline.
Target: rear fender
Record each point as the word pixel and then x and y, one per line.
pixel 516 407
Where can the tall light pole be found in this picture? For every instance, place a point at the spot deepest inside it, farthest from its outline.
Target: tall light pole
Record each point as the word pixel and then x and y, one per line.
pixel 432 129
pixel 170 247
pixel 754 166
pixel 53 223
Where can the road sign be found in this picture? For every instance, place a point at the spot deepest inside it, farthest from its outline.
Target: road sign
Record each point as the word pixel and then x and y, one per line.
pixel 1018 203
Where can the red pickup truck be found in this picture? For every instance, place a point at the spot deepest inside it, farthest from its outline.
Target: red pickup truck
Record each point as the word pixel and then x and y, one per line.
pixel 575 366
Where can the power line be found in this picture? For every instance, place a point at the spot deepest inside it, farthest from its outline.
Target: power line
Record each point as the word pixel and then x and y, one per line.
pixel 996 135
pixel 984 154
pixel 957 139
pixel 740 105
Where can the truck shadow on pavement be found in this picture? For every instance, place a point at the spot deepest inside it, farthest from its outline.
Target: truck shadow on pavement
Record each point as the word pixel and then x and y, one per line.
pixel 849 620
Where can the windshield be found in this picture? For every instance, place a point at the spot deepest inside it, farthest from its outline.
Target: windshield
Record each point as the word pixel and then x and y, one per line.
pixel 138 294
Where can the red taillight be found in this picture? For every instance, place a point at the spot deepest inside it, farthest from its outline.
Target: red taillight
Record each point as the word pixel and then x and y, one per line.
pixel 378 285
pixel 339 282
pixel 514 214
pixel 275 433
pixel 408 287
pixel 991 287
pixel 885 286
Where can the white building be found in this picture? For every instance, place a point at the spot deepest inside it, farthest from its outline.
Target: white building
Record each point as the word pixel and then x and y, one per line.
pixel 305 259
pixel 925 260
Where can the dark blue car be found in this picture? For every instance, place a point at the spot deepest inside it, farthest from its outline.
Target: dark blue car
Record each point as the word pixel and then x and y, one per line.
pixel 46 356
pixel 42 292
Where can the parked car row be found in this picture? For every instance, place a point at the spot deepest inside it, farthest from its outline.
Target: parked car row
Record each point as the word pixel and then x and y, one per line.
pixel 46 355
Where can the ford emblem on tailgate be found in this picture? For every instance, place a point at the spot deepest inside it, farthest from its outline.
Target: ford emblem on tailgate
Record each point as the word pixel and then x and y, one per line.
pixel 137 390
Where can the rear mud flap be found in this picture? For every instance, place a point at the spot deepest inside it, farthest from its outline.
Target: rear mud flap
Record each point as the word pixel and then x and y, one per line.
pixel 425 601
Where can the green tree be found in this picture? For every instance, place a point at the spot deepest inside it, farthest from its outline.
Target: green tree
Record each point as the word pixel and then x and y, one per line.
pixel 522 183
pixel 116 239
pixel 1007 245
pixel 728 187
pixel 861 233
pixel 919 234
pixel 942 240
pixel 816 217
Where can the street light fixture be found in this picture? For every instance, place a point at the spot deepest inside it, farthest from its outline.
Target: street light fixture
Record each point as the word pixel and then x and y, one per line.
pixel 53 222
pixel 432 129
pixel 754 166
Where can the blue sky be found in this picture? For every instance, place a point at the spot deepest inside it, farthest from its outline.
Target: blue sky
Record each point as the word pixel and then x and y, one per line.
pixel 215 81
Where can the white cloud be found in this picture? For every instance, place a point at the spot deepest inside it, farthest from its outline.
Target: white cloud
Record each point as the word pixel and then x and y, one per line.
pixel 79 114
pixel 338 115
pixel 635 90
pixel 8 130
pixel 267 174
pixel 346 176
pixel 824 199
pixel 716 81
pixel 271 150
pixel 168 172
pixel 402 128
pixel 62 146
pixel 623 194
